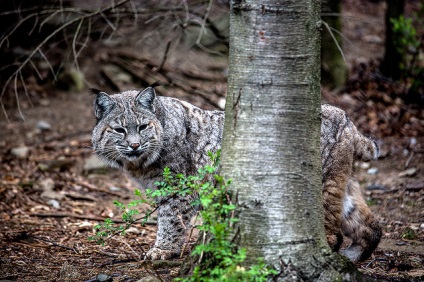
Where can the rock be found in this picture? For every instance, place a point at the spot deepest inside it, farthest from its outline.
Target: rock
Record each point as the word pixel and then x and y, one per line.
pixel 414 227
pixel 54 203
pixel 221 103
pixel 372 170
pixel 103 277
pixel 94 164
pixel 70 80
pixel 43 125
pixel 375 39
pixel 364 165
pixel 20 152
pixel 85 225
pixel 347 99
pixel 132 230
pixel 412 142
pixel 408 172
pixel 374 187
pixel 400 243
pixel 61 164
pixel 47 185
pixel 149 279
pixel 114 189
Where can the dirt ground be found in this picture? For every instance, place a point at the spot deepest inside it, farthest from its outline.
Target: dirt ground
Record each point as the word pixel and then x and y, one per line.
pixel 52 191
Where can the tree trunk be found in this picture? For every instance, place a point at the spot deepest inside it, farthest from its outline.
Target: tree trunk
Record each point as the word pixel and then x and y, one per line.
pixel 390 66
pixel 333 67
pixel 271 146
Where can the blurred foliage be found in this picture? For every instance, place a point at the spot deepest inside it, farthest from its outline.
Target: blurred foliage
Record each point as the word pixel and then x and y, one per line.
pixel 409 43
pixel 333 67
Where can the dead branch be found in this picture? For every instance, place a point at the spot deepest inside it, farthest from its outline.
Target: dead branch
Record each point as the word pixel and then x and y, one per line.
pixel 37 49
pixel 76 216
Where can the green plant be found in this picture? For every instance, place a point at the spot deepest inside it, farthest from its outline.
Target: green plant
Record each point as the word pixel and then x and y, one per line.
pixel 409 45
pixel 108 228
pixel 218 259
pixel 409 234
pixel 372 202
pixel 406 39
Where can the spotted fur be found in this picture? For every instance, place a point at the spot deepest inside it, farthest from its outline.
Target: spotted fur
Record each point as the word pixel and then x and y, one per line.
pixel 142 134
pixel 345 211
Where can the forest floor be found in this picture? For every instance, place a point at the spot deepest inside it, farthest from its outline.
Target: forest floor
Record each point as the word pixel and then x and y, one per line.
pixel 53 191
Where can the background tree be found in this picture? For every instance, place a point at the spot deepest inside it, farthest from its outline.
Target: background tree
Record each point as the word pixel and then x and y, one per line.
pixel 271 144
pixel 333 67
pixel 392 55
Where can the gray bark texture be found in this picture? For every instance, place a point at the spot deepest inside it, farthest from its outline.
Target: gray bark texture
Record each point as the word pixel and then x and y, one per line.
pixel 271 146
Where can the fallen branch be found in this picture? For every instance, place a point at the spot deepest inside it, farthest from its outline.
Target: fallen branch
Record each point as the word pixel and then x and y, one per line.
pixel 92 218
pixel 410 187
pixel 97 189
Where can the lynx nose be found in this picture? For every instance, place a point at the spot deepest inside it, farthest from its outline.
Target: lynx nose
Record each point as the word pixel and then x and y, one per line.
pixel 134 146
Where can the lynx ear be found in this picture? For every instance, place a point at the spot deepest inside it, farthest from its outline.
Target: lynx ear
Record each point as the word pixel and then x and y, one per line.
pixel 145 99
pixel 103 104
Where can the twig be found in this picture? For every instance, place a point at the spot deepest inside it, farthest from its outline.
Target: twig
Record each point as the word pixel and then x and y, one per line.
pixel 202 30
pixel 96 189
pixel 48 64
pixel 135 256
pixel 74 48
pixel 165 56
pixel 409 159
pixel 54 244
pixel 410 187
pixel 45 40
pixel 203 242
pixel 335 41
pixel 17 98
pixel 189 236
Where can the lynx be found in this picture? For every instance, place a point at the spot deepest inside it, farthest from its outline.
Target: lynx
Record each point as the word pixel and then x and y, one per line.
pixel 142 134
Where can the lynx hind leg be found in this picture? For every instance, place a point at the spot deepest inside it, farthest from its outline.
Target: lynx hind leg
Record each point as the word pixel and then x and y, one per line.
pixel 333 212
pixel 174 217
pixel 359 224
pixel 336 171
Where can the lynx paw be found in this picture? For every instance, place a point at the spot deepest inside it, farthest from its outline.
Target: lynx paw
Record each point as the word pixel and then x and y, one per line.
pixel 335 241
pixel 159 254
pixel 354 253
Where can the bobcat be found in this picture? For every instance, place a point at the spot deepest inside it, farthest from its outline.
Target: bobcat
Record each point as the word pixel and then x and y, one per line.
pixel 142 134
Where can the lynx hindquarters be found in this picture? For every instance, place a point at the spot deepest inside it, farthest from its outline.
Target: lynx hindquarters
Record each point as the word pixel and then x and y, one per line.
pixel 359 224
pixel 345 211
pixel 142 134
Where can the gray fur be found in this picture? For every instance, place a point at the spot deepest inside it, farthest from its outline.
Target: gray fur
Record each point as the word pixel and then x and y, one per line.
pixel 142 134
pixel 178 135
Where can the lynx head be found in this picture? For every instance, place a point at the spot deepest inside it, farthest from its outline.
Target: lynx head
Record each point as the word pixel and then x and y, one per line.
pixel 127 130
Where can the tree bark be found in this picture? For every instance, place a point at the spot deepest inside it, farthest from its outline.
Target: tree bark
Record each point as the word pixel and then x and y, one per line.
pixel 271 146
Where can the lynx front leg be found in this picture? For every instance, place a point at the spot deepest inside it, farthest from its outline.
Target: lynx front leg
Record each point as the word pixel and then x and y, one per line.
pixel 173 220
pixel 359 224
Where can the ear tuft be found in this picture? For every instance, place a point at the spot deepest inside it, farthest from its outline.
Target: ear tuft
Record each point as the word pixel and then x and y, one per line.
pixel 155 84
pixel 103 104
pixel 95 91
pixel 146 98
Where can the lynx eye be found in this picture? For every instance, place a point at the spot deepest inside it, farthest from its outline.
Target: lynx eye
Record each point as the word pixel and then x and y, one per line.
pixel 142 127
pixel 120 130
